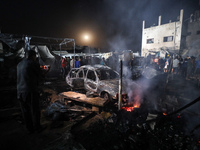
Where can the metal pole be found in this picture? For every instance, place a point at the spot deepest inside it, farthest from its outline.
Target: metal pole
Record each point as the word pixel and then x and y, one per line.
pixel 120 87
pixel 60 49
pixel 74 53
pixel 89 51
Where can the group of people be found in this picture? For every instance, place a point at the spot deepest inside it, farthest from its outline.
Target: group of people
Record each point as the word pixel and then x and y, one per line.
pixel 188 67
pixel 67 63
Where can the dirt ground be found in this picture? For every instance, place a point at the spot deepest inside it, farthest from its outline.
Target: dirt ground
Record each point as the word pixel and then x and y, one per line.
pixel 13 133
pixel 59 135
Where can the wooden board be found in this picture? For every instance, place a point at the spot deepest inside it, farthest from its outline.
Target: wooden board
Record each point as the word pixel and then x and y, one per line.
pixel 96 101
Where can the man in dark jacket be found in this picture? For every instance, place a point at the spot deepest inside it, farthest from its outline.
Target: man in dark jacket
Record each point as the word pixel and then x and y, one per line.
pixel 28 75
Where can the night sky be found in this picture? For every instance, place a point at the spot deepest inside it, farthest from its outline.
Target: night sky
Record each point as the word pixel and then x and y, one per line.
pixel 112 24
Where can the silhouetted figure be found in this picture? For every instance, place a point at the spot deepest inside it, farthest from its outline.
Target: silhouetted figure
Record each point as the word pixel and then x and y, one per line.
pixel 78 63
pixel 103 62
pixel 28 76
pixel 64 65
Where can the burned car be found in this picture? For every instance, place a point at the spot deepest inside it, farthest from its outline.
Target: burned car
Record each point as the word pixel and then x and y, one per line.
pixel 97 79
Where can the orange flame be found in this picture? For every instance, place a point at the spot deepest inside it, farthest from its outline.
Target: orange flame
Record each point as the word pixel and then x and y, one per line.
pixel 130 108
pixel 164 114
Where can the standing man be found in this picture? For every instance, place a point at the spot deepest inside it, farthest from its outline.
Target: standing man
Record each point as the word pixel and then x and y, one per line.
pixel 64 65
pixel 175 65
pixel 68 65
pixel 78 63
pixel 28 75
pixel 72 62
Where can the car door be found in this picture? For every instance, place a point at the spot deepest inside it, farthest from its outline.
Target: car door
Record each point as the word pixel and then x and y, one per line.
pixel 91 81
pixel 72 76
pixel 78 83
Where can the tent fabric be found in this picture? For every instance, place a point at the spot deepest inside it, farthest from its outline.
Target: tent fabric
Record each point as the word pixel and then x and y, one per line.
pixel 11 40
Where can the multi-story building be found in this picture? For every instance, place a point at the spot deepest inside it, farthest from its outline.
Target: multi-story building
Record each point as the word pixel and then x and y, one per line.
pixel 162 37
pixel 193 34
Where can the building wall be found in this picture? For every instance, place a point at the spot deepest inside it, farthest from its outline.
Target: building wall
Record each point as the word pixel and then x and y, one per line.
pixel 166 36
pixel 193 32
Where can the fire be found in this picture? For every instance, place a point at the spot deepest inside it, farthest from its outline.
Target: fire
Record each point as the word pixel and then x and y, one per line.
pixel 164 114
pixel 130 108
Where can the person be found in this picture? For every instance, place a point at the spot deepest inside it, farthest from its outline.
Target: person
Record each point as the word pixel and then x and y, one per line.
pixel 175 65
pixel 102 62
pixel 184 67
pixel 64 65
pixel 169 66
pixel 72 63
pixel 28 76
pixel 78 63
pixel 161 63
pixel 189 68
pixel 68 65
pixel 197 69
pixel 166 66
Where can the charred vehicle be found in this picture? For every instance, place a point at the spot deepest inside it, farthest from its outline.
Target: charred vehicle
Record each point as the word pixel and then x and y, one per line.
pixel 97 79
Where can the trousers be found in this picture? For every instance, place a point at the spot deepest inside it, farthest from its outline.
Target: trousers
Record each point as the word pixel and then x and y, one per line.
pixel 30 107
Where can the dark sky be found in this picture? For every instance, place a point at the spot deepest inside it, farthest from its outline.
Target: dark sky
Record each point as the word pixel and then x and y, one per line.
pixel 114 24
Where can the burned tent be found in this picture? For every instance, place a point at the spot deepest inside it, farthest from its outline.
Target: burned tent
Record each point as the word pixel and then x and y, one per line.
pixel 14 50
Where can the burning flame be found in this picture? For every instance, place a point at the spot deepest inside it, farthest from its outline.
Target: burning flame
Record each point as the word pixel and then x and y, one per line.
pixel 164 114
pixel 130 108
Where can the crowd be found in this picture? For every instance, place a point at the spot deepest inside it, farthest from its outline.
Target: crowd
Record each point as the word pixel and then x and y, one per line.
pixel 67 63
pixel 188 67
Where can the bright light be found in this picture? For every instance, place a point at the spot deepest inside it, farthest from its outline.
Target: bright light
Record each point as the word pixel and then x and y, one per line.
pixel 86 37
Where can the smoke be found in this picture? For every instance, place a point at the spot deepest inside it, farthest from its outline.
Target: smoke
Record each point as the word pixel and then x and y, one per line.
pixel 122 19
pixel 138 89
pixel 195 50
pixel 123 25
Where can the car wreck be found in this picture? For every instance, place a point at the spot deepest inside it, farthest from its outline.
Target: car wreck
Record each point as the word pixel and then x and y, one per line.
pixel 98 79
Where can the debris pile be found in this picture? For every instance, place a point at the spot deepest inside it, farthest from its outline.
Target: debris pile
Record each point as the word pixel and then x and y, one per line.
pixel 116 132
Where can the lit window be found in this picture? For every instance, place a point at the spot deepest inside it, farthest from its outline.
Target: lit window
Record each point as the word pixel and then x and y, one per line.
pixel 168 39
pixel 149 41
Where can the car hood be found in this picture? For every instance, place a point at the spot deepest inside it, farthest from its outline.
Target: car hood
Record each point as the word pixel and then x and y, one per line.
pixel 112 86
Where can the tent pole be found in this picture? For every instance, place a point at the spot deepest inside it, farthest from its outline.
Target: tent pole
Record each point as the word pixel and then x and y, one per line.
pixel 74 54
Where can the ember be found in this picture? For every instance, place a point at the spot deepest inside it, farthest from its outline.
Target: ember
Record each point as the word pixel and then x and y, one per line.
pixel 164 114
pixel 130 108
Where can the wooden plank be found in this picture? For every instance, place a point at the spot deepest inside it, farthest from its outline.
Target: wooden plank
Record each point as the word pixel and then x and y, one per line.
pixel 96 101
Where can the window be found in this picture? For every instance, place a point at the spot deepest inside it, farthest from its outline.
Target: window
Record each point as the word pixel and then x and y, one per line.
pixel 149 41
pixel 106 74
pixel 80 74
pixel 91 75
pixel 73 73
pixel 198 32
pixel 168 39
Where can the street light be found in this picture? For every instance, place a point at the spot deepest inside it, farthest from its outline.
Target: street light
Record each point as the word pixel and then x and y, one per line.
pixel 87 39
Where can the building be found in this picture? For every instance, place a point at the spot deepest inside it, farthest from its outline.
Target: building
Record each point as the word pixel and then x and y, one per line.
pixel 162 37
pixel 180 37
pixel 193 34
